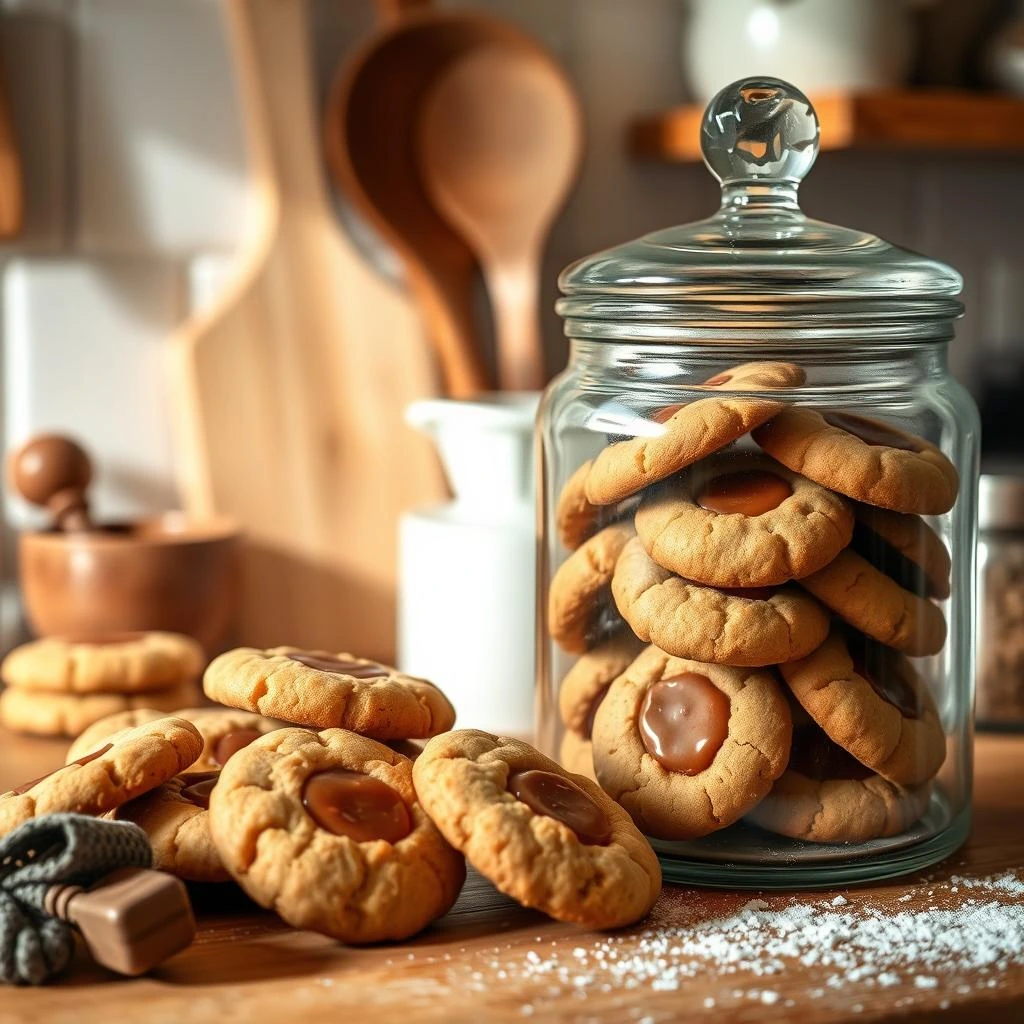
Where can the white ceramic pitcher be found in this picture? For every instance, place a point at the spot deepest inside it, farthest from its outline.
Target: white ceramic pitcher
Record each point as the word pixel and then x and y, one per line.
pixel 467 568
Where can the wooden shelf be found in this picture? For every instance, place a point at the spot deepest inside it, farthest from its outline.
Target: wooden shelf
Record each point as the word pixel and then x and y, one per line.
pixel 904 119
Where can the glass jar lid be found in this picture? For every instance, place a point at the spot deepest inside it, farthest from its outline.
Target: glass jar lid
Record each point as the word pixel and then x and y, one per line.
pixel 759 260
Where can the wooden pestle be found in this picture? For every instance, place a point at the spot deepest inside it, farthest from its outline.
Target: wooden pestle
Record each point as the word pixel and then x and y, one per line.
pixel 54 471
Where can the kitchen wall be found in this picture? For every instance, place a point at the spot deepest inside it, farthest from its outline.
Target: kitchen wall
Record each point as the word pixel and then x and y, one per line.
pixel 137 190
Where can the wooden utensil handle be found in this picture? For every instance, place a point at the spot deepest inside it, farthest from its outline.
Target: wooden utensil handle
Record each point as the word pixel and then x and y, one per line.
pixel 514 292
pixel 392 11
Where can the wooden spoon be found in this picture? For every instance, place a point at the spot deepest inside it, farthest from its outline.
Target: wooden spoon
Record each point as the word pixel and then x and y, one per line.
pixel 370 134
pixel 499 146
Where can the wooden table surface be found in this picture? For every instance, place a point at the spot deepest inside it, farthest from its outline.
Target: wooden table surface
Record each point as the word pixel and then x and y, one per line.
pixel 491 960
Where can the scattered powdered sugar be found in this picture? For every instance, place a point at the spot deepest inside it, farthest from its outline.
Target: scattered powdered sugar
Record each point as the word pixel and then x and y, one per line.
pixel 930 938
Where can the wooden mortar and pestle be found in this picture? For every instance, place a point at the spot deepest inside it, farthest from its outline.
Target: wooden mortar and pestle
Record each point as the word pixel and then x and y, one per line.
pixel 94 580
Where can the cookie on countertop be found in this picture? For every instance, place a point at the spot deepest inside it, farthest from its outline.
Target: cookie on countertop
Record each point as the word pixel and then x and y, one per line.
pixel 865 459
pixel 742 627
pixel 688 748
pixel 827 796
pixel 130 663
pixel 581 692
pixel 579 590
pixel 131 763
pixel 323 690
pixel 549 839
pixel 905 548
pixel 870 701
pixel 224 730
pixel 325 828
pixel 878 606
pixel 46 713
pixel 743 521
pixel 176 819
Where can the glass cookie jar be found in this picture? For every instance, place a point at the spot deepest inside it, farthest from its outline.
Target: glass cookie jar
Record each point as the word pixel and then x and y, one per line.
pixel 758 503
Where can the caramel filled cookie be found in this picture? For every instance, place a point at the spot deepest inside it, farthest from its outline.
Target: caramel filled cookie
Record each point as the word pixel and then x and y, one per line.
pixel 863 458
pixel 548 839
pixel 746 627
pixel 687 748
pixel 325 690
pixel 878 606
pixel 326 829
pixel 579 590
pixel 224 730
pixel 66 714
pixel 827 796
pixel 131 763
pixel 905 548
pixel 582 691
pixel 176 819
pixel 743 521
pixel 131 663
pixel 869 700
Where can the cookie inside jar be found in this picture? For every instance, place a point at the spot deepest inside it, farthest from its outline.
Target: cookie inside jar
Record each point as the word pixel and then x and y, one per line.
pixel 760 406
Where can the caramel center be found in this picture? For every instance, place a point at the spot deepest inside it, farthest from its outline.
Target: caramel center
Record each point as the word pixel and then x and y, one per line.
pixel 872 432
pixel 556 797
pixel 356 805
pixel 199 788
pixel 683 722
pixel 231 743
pixel 340 666
pixel 749 492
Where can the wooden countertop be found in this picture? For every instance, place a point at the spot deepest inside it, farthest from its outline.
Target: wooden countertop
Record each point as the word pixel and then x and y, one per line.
pixel 492 960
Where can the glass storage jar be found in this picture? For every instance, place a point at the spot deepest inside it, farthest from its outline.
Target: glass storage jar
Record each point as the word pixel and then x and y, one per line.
pixel 758 500
pixel 1000 702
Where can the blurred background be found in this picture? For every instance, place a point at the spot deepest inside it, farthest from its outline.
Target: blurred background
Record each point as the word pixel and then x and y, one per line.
pixel 207 281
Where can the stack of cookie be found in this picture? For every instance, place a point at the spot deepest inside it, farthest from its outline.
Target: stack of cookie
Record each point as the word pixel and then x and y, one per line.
pixel 316 814
pixel 59 686
pixel 775 562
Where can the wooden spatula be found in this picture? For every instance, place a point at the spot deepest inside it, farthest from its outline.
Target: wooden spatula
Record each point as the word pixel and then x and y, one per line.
pixel 499 147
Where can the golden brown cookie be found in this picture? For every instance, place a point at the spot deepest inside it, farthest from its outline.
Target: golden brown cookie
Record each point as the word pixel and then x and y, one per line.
pixel 681 435
pixel 325 828
pixel 576 518
pixel 869 700
pixel 877 605
pixel 131 763
pixel 549 839
pixel 745 627
pixel 827 796
pixel 743 521
pixel 579 590
pixel 224 731
pixel 130 663
pixel 582 691
pixel 176 818
pixel 688 748
pixel 863 458
pixel 325 690
pixel 46 713
pixel 905 548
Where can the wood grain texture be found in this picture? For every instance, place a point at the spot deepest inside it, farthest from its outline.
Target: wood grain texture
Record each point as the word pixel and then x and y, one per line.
pixel 290 390
pixel 246 965
pixel 901 119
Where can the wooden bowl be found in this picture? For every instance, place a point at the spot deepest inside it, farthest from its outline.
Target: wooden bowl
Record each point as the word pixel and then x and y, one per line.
pixel 168 572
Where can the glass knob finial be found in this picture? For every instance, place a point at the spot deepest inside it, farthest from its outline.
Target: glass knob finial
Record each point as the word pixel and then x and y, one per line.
pixel 759 129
